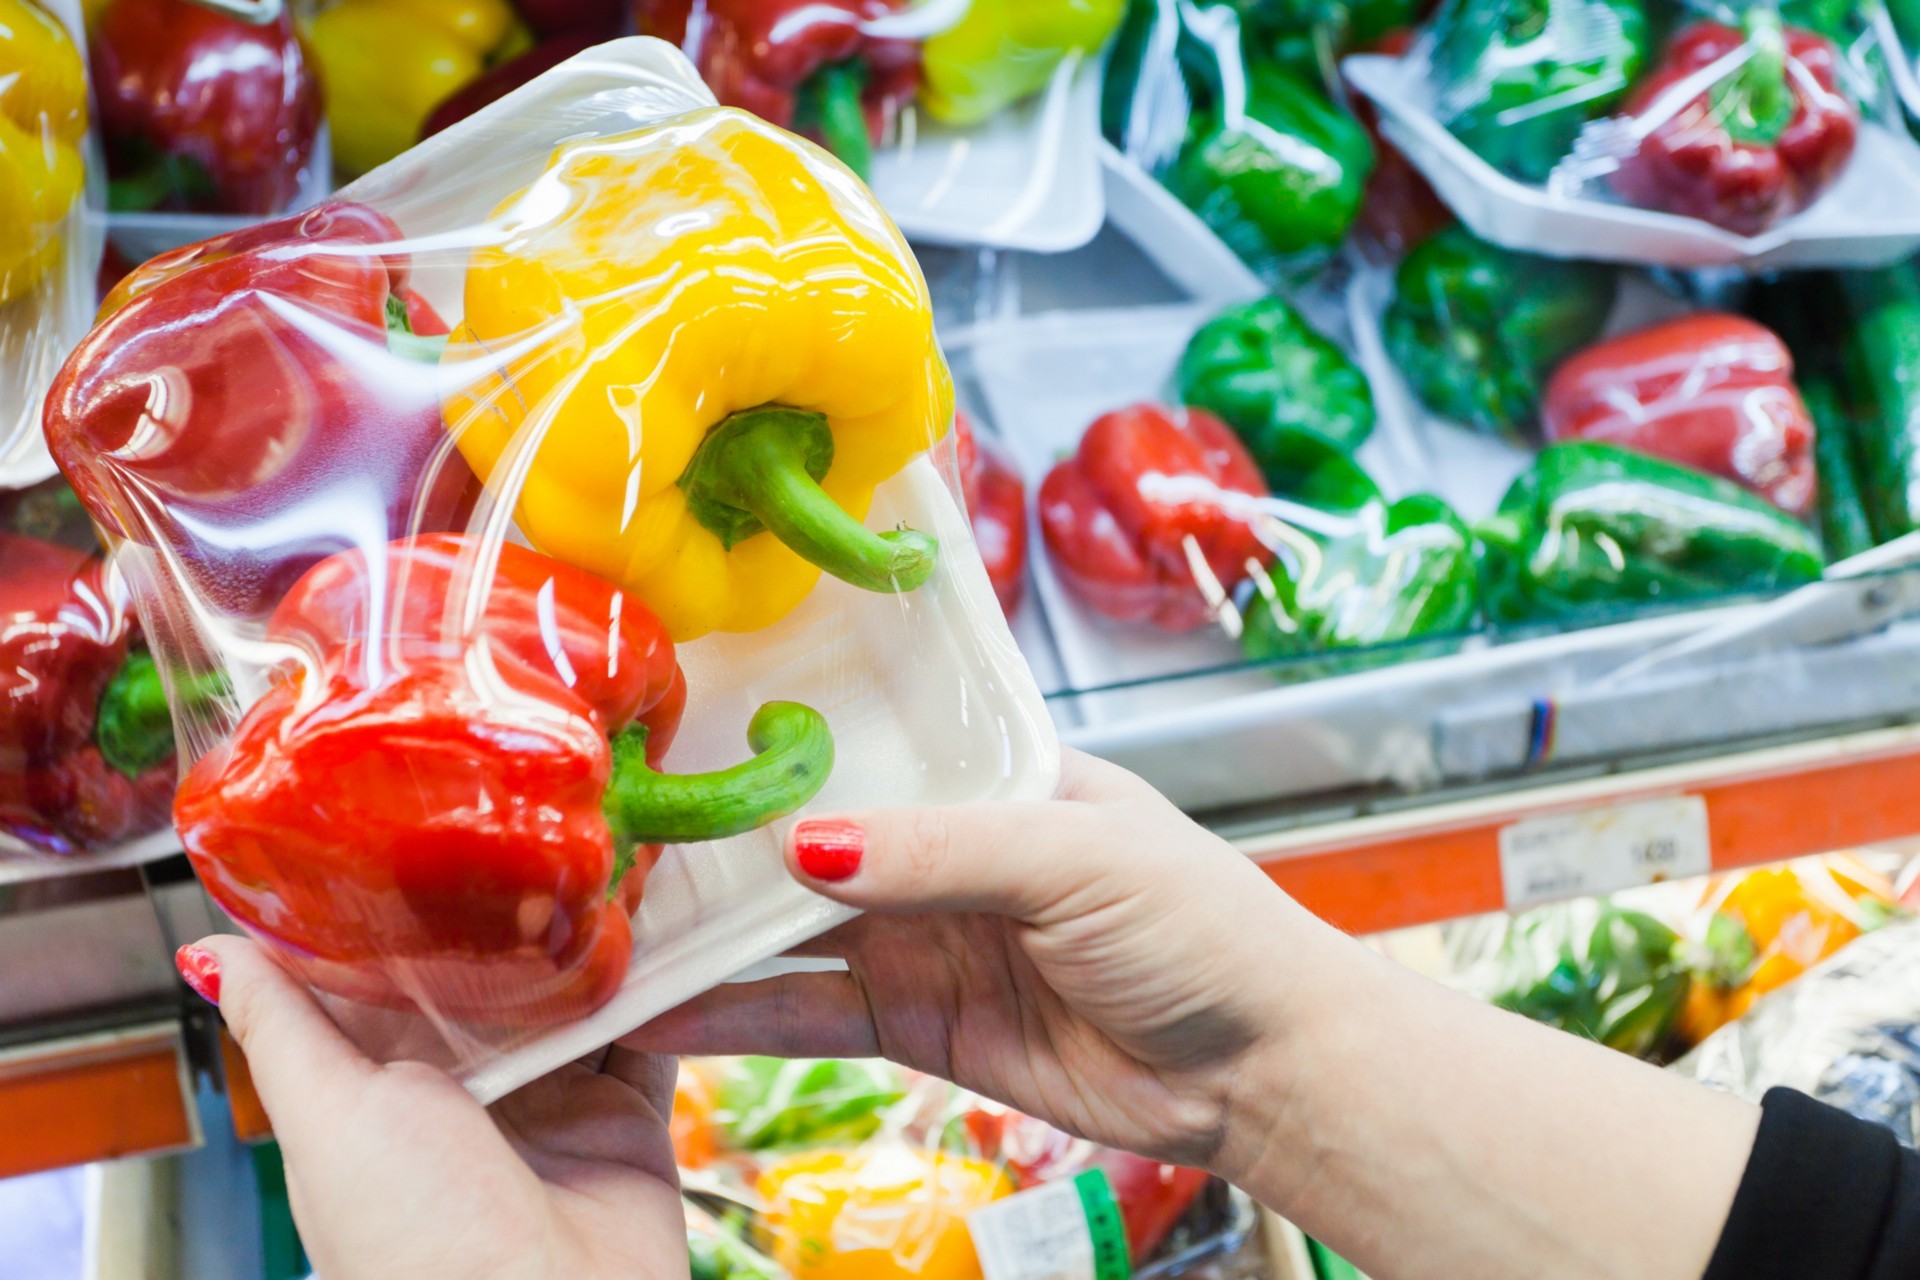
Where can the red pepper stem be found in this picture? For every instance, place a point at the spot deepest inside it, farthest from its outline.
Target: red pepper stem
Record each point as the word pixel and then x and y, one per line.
pixel 760 471
pixel 1756 103
pixel 792 756
pixel 403 341
pixel 831 102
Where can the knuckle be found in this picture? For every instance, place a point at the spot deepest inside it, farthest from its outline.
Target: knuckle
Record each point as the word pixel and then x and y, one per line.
pixel 929 844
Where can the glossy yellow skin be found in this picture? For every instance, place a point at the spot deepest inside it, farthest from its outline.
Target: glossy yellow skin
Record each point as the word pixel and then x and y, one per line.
pixel 43 118
pixel 652 284
pixel 388 63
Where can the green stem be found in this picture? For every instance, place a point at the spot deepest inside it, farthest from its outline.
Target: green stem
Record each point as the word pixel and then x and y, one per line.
pixel 831 102
pixel 1756 103
pixel 759 471
pixel 403 341
pixel 792 756
pixel 158 179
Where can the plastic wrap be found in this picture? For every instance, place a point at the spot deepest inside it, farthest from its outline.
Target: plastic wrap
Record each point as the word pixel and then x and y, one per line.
pixel 48 244
pixel 591 436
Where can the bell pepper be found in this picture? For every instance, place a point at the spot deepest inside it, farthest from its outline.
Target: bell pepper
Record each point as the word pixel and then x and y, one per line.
pixel 1709 390
pixel 1289 393
pixel 1879 316
pixel 43 121
pixel 504 77
pixel 1475 329
pixel 1405 573
pixel 1761 143
pixel 86 741
pixel 1310 36
pixel 1591 525
pixel 807 65
pixel 202 110
pixel 244 399
pixel 876 1213
pixel 389 63
pixel 1844 529
pixel 600 19
pixel 1600 971
pixel 1516 80
pixel 458 815
pixel 1400 209
pixel 1152 518
pixel 997 508
pixel 1002 51
pixel 779 347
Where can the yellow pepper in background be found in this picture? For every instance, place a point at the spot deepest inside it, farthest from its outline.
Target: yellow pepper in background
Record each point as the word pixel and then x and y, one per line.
pixel 1005 50
pixel 386 64
pixel 43 119
pixel 715 345
pixel 884 1212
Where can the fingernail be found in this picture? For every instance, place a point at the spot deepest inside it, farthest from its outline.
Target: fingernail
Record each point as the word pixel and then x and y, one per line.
pixel 201 971
pixel 827 849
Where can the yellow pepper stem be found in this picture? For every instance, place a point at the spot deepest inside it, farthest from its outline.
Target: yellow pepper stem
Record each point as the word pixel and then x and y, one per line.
pixel 760 471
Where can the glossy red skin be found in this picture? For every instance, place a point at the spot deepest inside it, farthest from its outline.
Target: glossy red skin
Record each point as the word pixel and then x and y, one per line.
pixel 498 82
pixel 598 19
pixel 238 405
pixel 997 506
pixel 1122 547
pixel 1689 164
pixel 1712 391
pixel 1400 209
pixel 241 100
pixel 64 632
pixel 415 816
pixel 754 54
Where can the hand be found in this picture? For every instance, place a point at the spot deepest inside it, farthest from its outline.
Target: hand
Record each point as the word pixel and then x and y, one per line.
pixel 396 1173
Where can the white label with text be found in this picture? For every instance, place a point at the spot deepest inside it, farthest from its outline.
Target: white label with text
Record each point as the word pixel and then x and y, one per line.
pixel 1570 855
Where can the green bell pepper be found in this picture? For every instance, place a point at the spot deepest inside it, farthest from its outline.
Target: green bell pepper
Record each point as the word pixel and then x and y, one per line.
pixel 1308 36
pixel 1005 50
pixel 776 1104
pixel 1477 329
pixel 1591 525
pixel 1287 391
pixel 1599 971
pixel 1881 362
pixel 1844 529
pixel 1405 574
pixel 1518 79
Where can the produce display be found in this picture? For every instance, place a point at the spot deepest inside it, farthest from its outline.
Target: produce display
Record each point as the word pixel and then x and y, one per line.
pixel 996 499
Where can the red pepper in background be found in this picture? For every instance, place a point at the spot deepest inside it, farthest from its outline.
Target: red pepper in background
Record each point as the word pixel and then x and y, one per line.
pixel 1150 520
pixel 597 19
pixel 997 506
pixel 1758 145
pixel 255 403
pixel 86 741
pixel 1714 392
pixel 422 817
pixel 1400 209
pixel 805 65
pixel 202 110
pixel 498 82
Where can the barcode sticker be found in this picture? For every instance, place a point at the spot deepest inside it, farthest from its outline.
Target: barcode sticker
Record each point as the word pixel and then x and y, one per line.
pixel 1602 850
pixel 1068 1230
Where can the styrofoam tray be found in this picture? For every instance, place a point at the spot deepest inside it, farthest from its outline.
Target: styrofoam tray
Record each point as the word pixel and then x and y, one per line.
pixel 1172 236
pixel 1870 217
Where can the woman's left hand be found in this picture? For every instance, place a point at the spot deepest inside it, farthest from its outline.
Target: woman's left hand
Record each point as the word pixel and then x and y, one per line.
pixel 395 1171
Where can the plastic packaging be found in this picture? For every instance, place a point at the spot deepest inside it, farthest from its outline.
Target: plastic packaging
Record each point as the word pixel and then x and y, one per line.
pixel 561 433
pixel 49 245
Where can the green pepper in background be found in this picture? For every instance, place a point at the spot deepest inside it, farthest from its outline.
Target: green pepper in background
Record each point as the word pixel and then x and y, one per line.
pixel 1881 363
pixel 1591 525
pixel 1003 51
pixel 776 1104
pixel 1844 530
pixel 1476 329
pixel 1838 20
pixel 1518 79
pixel 1287 391
pixel 1406 572
pixel 1308 36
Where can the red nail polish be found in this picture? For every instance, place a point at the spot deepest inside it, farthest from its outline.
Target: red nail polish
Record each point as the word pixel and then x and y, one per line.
pixel 828 850
pixel 201 971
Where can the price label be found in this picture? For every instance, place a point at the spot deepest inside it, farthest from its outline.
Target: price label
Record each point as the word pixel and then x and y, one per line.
pixel 1601 850
pixel 1067 1230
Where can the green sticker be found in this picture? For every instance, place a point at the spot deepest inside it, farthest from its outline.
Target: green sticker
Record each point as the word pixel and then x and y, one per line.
pixel 1105 1226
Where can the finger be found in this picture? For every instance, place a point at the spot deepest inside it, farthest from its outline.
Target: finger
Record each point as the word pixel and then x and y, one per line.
pixel 799 1015
pixel 651 1075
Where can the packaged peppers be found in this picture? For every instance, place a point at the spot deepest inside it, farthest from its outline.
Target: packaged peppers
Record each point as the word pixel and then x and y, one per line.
pixel 1002 51
pixel 997 506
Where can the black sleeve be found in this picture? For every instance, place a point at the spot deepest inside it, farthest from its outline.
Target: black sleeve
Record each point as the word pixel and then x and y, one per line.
pixel 1824 1195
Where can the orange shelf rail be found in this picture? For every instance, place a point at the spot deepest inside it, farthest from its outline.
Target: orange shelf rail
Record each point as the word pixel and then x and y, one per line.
pixel 95 1097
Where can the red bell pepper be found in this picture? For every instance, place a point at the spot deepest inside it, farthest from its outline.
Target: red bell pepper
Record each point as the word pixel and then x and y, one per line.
pixel 256 402
pixel 1400 209
pixel 202 110
pixel 497 82
pixel 86 741
pixel 1762 142
pixel 1714 392
pixel 997 506
pixel 599 19
pixel 801 64
pixel 461 820
pixel 1153 519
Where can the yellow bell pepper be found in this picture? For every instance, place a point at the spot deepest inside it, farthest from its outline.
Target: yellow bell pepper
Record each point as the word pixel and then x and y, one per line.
pixel 388 63
pixel 43 118
pixel 884 1212
pixel 705 346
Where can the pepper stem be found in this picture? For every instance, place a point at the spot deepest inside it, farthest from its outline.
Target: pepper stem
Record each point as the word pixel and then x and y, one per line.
pixel 403 341
pixel 759 471
pixel 792 756
pixel 133 727
pixel 1756 103
pixel 832 103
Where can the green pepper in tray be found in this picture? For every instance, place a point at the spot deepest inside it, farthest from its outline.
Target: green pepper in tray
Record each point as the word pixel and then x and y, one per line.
pixel 1591 525
pixel 1476 329
pixel 1844 528
pixel 1288 392
pixel 1597 970
pixel 1881 362
pixel 1518 79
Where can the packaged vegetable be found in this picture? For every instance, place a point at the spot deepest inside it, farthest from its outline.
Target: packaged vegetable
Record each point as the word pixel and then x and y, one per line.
pixel 468 585
pixel 777 1104
pixel 997 506
pixel 1002 51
